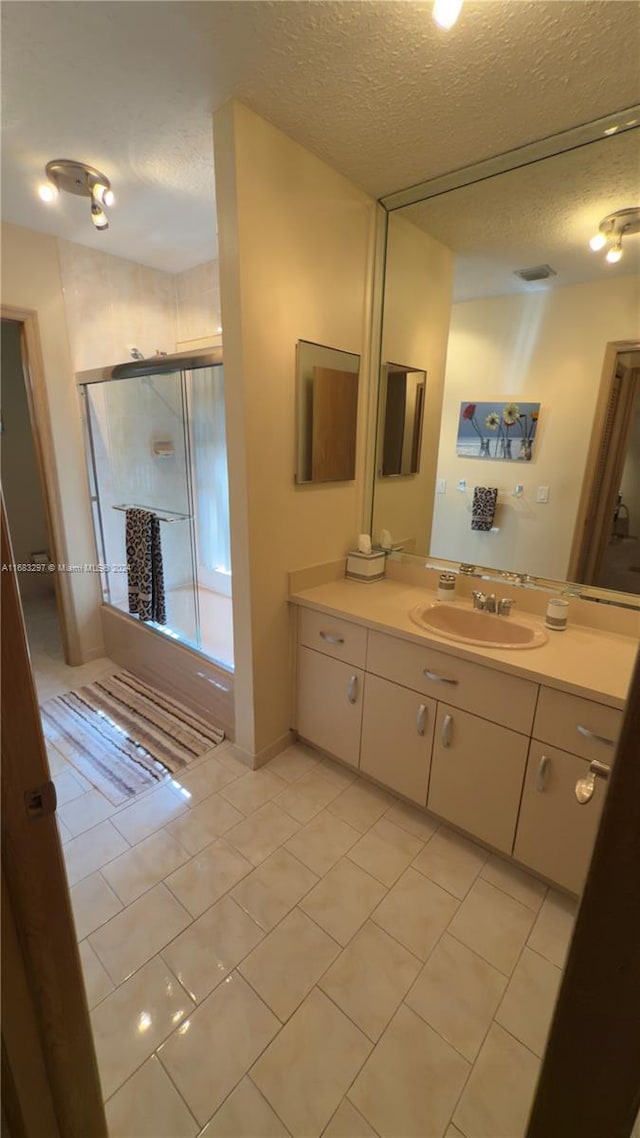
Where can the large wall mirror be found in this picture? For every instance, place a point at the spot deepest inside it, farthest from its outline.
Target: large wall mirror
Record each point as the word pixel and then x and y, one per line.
pixel 531 342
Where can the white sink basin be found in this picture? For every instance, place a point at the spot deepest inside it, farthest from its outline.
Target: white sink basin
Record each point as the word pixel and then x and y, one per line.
pixel 468 626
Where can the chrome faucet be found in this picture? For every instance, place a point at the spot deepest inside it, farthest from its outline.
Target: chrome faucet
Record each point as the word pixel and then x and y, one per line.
pixel 484 603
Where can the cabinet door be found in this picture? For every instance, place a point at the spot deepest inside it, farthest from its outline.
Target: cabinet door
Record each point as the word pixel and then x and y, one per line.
pixel 330 704
pixel 397 732
pixel 555 833
pixel 477 771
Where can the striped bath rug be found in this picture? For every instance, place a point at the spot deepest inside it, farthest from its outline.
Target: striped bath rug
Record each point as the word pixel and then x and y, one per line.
pixel 123 735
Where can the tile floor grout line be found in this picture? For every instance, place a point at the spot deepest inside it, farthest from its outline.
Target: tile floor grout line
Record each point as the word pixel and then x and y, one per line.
pixel 153 1055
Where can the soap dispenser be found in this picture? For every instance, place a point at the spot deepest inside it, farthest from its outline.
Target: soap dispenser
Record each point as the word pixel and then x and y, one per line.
pixel 446 587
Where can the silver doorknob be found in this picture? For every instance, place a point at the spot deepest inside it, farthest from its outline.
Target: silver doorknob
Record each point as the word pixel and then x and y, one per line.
pixel 586 786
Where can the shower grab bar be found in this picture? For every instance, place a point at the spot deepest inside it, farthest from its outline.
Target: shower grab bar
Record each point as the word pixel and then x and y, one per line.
pixel 176 517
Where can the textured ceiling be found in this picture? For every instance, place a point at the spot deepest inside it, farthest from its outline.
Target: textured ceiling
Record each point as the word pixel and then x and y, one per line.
pixel 373 88
pixel 541 214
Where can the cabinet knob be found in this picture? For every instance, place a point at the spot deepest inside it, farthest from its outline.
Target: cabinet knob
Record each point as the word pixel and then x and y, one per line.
pixel 586 786
pixel 331 639
pixel 541 777
pixel 352 689
pixel 587 734
pixel 421 718
pixel 445 733
pixel 438 679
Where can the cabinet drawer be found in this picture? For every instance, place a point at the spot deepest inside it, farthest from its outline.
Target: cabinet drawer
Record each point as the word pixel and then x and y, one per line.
pixel 397 731
pixel 555 833
pixel 477 770
pixel 329 704
pixel 495 695
pixel 578 725
pixel 333 636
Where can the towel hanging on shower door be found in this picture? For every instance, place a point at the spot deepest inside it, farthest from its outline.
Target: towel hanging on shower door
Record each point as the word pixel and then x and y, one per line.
pixel 483 507
pixel 145 573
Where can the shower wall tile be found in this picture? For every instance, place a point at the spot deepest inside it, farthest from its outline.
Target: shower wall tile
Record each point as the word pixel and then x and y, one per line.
pixel 112 304
pixel 198 302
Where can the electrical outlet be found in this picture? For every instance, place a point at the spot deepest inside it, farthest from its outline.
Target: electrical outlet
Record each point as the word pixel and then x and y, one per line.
pixel 441 486
pixel 543 494
pixel 462 485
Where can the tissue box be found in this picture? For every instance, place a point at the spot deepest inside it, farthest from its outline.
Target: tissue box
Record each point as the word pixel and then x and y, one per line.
pixel 365 566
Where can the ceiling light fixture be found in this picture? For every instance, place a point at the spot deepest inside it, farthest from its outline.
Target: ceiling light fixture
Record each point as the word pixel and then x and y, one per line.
pixel 612 228
pixel 79 178
pixel 446 12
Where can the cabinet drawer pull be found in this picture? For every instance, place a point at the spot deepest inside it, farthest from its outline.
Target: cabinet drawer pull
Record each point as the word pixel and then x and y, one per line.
pixel 541 777
pixel 586 786
pixel 445 734
pixel 438 679
pixel 331 639
pixel 596 738
pixel 352 689
pixel 420 718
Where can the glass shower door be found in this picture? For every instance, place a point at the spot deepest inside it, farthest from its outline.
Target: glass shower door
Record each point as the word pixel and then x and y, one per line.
pixel 139 454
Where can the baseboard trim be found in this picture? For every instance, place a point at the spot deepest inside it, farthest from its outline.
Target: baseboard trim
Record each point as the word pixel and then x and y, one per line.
pixel 254 762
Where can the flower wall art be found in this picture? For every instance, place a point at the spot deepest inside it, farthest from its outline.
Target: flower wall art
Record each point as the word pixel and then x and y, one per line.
pixel 506 431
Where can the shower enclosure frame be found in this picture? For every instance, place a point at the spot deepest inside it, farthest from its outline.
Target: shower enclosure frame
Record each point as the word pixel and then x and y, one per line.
pixel 181 667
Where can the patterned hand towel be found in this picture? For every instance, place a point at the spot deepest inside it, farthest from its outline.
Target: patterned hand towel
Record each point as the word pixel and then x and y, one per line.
pixel 483 507
pixel 144 566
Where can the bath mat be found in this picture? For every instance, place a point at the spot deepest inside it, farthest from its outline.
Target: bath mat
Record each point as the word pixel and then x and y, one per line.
pixel 124 736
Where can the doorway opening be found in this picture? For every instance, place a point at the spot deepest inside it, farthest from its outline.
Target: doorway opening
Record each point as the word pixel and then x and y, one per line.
pixel 26 482
pixel 607 537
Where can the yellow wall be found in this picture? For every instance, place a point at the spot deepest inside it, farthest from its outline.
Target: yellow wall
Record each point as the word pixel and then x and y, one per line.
pixel 296 248
pixel 545 347
pixel 417 308
pixel 31 280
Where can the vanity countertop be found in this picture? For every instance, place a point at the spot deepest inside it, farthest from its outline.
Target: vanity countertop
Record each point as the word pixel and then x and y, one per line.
pixel 583 661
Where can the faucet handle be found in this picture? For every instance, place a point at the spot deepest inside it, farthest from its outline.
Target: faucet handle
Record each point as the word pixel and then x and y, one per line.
pixel 479 599
pixel 505 604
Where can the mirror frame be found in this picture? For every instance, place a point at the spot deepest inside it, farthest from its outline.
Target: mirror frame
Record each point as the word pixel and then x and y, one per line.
pixel 619 122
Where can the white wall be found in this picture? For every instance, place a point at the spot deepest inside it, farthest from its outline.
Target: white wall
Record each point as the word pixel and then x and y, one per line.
pixel 20 477
pixel 31 280
pixel 296 247
pixel 417 307
pixel 545 347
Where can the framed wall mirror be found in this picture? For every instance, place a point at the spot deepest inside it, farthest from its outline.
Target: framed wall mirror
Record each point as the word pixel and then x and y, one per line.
pixel 326 413
pixel 400 417
pixel 492 283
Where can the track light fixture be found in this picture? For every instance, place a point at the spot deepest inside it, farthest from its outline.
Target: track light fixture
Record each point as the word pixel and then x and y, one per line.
pixel 612 228
pixel 79 178
pixel 446 12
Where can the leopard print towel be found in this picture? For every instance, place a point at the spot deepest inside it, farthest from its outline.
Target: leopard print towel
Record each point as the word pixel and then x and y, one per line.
pixel 483 507
pixel 144 566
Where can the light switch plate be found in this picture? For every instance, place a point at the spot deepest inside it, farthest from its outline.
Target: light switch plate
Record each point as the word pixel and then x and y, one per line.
pixel 543 494
pixel 441 486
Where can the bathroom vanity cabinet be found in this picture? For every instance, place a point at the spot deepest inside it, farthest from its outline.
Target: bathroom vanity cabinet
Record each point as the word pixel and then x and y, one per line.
pixel 492 753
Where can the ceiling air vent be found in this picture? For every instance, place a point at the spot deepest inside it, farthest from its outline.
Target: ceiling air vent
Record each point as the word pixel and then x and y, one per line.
pixel 537 273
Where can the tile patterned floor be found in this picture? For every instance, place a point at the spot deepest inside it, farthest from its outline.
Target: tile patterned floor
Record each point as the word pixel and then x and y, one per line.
pixel 294 952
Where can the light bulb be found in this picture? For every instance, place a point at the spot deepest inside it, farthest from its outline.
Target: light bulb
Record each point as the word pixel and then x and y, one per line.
pixel 598 242
pixel 446 12
pixel 98 216
pixel 47 192
pixel 103 194
pixel 615 252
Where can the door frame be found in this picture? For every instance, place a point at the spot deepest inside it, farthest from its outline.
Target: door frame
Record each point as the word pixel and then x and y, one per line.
pixel 49 1061
pixel 40 417
pixel 605 460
